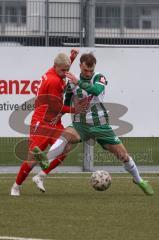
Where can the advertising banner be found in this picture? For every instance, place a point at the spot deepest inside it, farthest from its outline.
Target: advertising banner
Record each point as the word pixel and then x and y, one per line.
pixel 131 96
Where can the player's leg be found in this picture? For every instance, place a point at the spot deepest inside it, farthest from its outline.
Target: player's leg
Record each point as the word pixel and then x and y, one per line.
pixel 40 177
pixel 129 164
pixel 24 171
pixel 57 154
pixel 109 141
pixel 121 153
pixel 43 133
pixel 61 147
pixel 69 135
pixel 28 164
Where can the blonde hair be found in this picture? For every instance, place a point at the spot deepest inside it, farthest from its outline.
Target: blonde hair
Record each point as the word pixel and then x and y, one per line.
pixel 62 59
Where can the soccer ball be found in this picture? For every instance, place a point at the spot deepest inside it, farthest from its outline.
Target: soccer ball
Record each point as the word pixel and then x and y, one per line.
pixel 100 180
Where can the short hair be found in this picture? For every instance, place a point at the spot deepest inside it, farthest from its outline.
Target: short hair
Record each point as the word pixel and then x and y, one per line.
pixel 89 59
pixel 62 59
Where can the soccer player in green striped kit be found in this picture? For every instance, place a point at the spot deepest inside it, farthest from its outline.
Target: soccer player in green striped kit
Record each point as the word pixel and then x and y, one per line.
pixel 92 124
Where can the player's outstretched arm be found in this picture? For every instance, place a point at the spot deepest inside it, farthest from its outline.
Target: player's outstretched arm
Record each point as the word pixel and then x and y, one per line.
pixel 95 89
pixel 73 55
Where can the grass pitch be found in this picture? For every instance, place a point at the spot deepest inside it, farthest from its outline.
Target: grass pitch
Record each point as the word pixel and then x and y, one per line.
pixel 72 210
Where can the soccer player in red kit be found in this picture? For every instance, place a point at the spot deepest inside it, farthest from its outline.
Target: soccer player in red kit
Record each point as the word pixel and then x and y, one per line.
pixel 46 124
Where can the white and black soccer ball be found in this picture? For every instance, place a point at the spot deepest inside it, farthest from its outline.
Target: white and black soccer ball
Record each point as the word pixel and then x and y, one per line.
pixel 100 180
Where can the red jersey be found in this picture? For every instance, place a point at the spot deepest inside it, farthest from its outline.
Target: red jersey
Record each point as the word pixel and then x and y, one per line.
pixel 49 102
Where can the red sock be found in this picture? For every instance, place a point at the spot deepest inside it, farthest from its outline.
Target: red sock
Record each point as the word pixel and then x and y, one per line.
pixel 23 172
pixel 54 164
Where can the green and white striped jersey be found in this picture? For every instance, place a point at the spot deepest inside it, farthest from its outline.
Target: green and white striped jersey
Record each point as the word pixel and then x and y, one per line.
pixel 94 90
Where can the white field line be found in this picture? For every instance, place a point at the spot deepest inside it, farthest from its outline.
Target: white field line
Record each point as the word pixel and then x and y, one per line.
pixel 19 238
pixel 80 177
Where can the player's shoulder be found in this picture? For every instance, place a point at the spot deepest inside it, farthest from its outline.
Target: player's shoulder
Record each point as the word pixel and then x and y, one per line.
pixel 51 75
pixel 99 77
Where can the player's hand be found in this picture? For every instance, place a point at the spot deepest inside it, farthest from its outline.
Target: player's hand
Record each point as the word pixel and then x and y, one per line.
pixel 74 53
pixel 72 78
pixel 81 105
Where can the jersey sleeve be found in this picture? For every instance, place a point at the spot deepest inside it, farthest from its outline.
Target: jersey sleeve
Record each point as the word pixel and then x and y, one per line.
pixel 97 87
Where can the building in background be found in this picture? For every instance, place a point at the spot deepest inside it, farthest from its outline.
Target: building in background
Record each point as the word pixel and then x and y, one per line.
pixel 60 23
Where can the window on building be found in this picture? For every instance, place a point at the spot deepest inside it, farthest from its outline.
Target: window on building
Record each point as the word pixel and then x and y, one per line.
pixel 11 14
pixel 107 16
pixel 0 14
pixel 98 14
pixel 134 15
pixel 23 15
pixel 146 24
pixel 145 11
pixel 14 12
pixel 131 17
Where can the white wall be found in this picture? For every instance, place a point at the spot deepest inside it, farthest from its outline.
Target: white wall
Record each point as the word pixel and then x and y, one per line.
pixel 132 74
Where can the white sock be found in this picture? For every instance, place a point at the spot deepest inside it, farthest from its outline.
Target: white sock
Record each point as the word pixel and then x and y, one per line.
pixel 131 167
pixel 57 148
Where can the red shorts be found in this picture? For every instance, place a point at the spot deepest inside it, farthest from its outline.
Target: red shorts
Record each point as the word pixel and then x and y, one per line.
pixel 43 134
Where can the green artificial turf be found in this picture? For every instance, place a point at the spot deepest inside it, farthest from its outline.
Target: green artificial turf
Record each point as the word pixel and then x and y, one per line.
pixel 72 210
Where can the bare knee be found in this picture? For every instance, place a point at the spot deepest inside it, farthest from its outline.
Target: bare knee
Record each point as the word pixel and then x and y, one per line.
pixel 71 135
pixel 68 148
pixel 123 156
pixel 119 151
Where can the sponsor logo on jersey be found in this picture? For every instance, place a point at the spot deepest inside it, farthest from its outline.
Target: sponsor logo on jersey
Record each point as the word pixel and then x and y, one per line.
pixel 103 80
